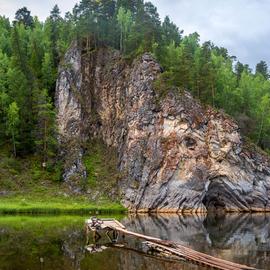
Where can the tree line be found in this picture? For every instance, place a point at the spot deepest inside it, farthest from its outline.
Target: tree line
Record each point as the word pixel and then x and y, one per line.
pixel 29 55
pixel 30 52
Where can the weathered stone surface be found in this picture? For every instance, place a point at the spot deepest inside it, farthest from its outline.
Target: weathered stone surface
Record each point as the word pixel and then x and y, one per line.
pixel 69 111
pixel 177 156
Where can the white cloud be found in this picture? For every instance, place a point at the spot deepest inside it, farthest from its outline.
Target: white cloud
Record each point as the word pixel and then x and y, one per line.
pixel 37 8
pixel 242 26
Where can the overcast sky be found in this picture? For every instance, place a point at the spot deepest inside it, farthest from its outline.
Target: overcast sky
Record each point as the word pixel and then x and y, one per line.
pixel 242 26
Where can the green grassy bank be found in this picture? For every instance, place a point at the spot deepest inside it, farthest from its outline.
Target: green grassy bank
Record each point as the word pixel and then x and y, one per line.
pixel 34 204
pixel 27 188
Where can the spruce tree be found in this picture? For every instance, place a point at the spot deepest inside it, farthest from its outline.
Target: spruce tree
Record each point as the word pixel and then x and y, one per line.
pixel 55 21
pixel 23 16
pixel 13 121
pixel 262 68
pixel 46 132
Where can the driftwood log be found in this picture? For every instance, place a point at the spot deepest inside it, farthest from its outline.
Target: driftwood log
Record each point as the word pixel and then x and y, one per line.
pixel 165 246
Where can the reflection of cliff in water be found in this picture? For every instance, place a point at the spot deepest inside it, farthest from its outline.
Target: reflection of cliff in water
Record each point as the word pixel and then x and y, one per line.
pixel 60 245
pixel 243 238
pixel 131 262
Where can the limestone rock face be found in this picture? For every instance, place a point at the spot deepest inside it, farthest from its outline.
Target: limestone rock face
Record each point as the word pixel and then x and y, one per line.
pixel 176 155
pixel 69 111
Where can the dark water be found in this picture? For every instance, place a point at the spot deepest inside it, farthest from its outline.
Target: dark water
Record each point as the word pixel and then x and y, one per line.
pixel 58 242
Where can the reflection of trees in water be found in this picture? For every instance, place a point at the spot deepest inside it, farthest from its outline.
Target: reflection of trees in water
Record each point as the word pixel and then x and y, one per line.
pixel 73 247
pixel 241 238
pixel 114 259
pixel 41 248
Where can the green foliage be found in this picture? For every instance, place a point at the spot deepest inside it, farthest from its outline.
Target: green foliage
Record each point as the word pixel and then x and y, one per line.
pixel 101 166
pixel 30 52
pixel 29 56
pixel 208 72
pixel 31 189
pixel 263 115
pixel 170 32
pixel 54 22
pixel 23 16
pixel 262 68
pixel 46 130
pixel 124 19
pixel 13 121
pixel 5 29
pixel 48 72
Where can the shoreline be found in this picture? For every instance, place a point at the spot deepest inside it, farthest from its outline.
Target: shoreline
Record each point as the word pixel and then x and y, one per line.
pixel 20 204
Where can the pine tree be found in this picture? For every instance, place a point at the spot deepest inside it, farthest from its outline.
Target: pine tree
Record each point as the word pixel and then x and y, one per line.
pixel 48 73
pixel 13 121
pixel 124 20
pixel 36 49
pixel 264 117
pixel 4 97
pixel 170 32
pixel 239 68
pixel 23 16
pixel 19 91
pixel 46 131
pixel 146 30
pixel 262 68
pixel 67 33
pixel 5 30
pixel 19 39
pixel 205 75
pixel 132 5
pixel 55 21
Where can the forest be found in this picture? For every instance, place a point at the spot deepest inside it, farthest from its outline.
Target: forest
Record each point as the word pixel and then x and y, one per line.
pixel 31 51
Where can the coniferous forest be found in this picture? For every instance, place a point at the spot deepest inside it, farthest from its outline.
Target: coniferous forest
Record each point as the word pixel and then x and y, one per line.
pixel 31 50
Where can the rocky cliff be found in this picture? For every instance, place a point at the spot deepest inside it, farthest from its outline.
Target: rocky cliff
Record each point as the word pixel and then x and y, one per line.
pixel 176 155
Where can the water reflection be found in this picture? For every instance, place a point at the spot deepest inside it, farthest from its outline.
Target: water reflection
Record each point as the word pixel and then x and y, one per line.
pixel 242 238
pixel 59 242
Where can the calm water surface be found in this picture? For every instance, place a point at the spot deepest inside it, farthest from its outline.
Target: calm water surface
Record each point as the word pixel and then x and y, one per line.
pixel 58 242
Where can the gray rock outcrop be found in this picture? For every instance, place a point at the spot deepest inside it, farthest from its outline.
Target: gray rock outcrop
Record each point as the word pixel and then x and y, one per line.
pixel 177 155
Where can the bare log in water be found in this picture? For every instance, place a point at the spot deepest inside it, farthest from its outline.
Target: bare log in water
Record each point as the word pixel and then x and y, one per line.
pixel 167 246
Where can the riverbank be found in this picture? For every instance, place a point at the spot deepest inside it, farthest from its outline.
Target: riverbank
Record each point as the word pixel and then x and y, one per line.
pixel 47 204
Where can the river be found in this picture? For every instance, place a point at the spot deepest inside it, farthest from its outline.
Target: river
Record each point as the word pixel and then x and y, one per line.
pixel 59 242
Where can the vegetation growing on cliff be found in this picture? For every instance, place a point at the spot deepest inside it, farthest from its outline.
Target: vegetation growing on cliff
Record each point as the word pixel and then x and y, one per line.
pixel 30 52
pixel 26 187
pixel 101 167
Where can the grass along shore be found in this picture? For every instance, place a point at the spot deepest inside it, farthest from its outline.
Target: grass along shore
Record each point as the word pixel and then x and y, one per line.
pixel 46 204
pixel 26 188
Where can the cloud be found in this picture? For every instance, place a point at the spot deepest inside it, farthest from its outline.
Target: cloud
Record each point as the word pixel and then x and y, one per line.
pixel 37 8
pixel 239 25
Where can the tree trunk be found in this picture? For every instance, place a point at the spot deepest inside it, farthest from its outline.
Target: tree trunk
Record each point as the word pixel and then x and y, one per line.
pixel 14 144
pixel 261 128
pixel 213 95
pixel 121 41
pixel 45 143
